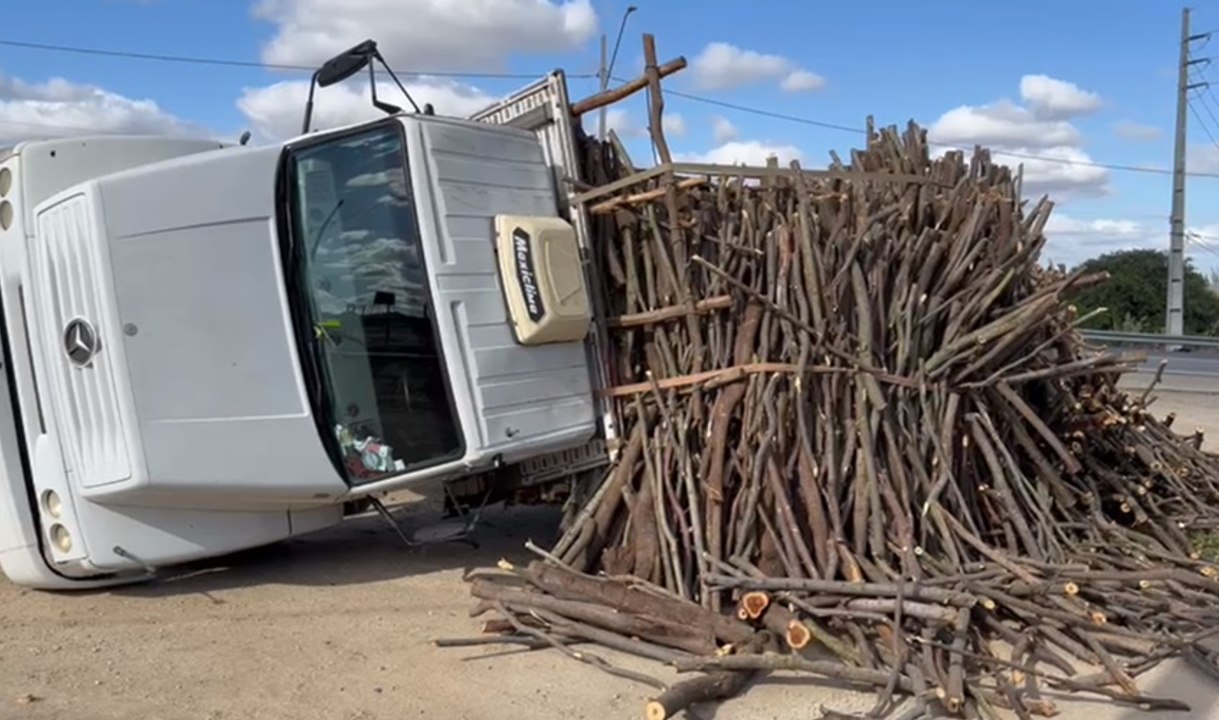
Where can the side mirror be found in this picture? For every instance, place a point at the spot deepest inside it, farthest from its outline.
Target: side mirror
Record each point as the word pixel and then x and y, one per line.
pixel 348 63
pixel 344 65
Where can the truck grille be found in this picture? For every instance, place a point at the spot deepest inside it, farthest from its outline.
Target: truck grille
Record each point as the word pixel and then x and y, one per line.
pixel 67 269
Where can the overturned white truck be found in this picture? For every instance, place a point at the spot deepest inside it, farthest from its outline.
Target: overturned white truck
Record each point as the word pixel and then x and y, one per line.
pixel 212 347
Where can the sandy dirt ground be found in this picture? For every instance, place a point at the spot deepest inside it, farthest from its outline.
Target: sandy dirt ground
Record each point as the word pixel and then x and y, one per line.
pixel 337 626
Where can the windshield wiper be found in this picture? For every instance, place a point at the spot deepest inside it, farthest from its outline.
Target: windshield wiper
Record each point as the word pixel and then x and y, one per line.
pixel 317 238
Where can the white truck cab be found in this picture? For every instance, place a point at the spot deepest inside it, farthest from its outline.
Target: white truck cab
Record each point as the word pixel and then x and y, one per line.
pixel 211 347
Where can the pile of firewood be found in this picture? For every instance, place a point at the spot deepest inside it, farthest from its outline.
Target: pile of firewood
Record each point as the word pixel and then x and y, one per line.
pixel 862 440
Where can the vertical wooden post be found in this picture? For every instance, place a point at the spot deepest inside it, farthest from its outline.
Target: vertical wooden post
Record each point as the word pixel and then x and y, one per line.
pixel 656 101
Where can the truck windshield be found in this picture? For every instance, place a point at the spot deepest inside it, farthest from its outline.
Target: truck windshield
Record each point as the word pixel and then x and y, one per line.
pixel 362 299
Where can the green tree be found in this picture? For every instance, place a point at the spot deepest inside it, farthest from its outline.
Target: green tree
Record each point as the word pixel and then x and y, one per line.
pixel 1136 294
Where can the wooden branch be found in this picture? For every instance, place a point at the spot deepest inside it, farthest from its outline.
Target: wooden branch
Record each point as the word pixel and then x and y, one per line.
pixel 656 101
pixel 770 661
pixel 624 599
pixel 531 643
pixel 720 377
pixel 713 170
pixel 717 685
pixel 672 312
pixel 613 204
pixel 588 658
pixel 853 409
pixel 762 172
pixel 684 637
pixel 854 589
pixel 613 95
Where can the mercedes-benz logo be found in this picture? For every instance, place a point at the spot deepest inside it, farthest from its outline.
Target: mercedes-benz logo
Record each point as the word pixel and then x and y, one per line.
pixel 80 342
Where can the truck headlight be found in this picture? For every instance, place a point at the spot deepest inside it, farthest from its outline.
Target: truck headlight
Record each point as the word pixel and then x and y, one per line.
pixel 61 538
pixel 52 504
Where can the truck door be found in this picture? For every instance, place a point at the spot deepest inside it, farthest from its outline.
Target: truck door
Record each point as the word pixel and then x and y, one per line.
pixel 544 108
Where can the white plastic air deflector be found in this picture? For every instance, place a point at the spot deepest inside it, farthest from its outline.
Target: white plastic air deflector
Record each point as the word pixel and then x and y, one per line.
pixel 539 263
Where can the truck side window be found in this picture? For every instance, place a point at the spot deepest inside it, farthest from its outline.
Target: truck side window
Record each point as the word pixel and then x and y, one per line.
pixel 362 271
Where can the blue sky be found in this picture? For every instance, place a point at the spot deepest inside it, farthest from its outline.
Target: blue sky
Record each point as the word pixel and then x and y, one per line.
pixel 1043 78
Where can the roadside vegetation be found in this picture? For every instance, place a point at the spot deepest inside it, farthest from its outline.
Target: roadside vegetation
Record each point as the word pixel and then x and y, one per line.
pixel 1136 292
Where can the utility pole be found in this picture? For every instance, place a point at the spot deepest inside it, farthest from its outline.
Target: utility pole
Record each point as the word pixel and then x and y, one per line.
pixel 1176 246
pixel 603 76
pixel 604 73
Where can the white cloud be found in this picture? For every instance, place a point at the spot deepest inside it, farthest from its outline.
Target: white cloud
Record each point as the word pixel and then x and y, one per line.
pixel 723 130
pixel 624 123
pixel 620 121
pixel 723 66
pixel 421 35
pixel 1130 130
pixel 1062 223
pixel 383 177
pixel 384 250
pixel 381 264
pixel 1001 123
pixel 61 108
pixel 674 125
pixel 1059 165
pixel 748 152
pixel 802 81
pixel 1053 98
pixel 1202 158
pixel 1060 170
pixel 275 111
pixel 1071 240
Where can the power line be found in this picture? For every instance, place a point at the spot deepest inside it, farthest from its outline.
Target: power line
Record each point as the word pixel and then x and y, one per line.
pixel 241 63
pixel 994 151
pixel 763 113
pixel 1206 105
pixel 1129 235
pixel 1202 123
pixel 1210 103
pixel 696 98
pixel 1203 238
pixel 1125 216
pixel 1203 245
pixel 1201 87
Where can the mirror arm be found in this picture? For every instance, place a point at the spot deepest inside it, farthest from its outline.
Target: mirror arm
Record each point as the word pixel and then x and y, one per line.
pixel 309 103
pixel 381 105
pixel 388 69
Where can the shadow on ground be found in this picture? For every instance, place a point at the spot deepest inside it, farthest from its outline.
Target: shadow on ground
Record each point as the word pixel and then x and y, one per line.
pixel 361 550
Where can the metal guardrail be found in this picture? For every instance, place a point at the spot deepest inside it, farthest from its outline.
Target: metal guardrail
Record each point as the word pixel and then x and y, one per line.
pixel 1114 337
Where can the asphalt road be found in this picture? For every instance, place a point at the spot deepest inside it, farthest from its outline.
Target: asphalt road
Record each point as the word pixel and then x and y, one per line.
pixel 1188 372
pixel 1189 364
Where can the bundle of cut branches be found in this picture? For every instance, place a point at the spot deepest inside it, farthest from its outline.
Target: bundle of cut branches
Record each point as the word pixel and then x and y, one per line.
pixel 862 439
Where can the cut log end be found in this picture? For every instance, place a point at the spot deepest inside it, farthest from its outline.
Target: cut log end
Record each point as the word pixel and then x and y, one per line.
pixel 753 604
pixel 655 710
pixel 954 705
pixel 798 635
